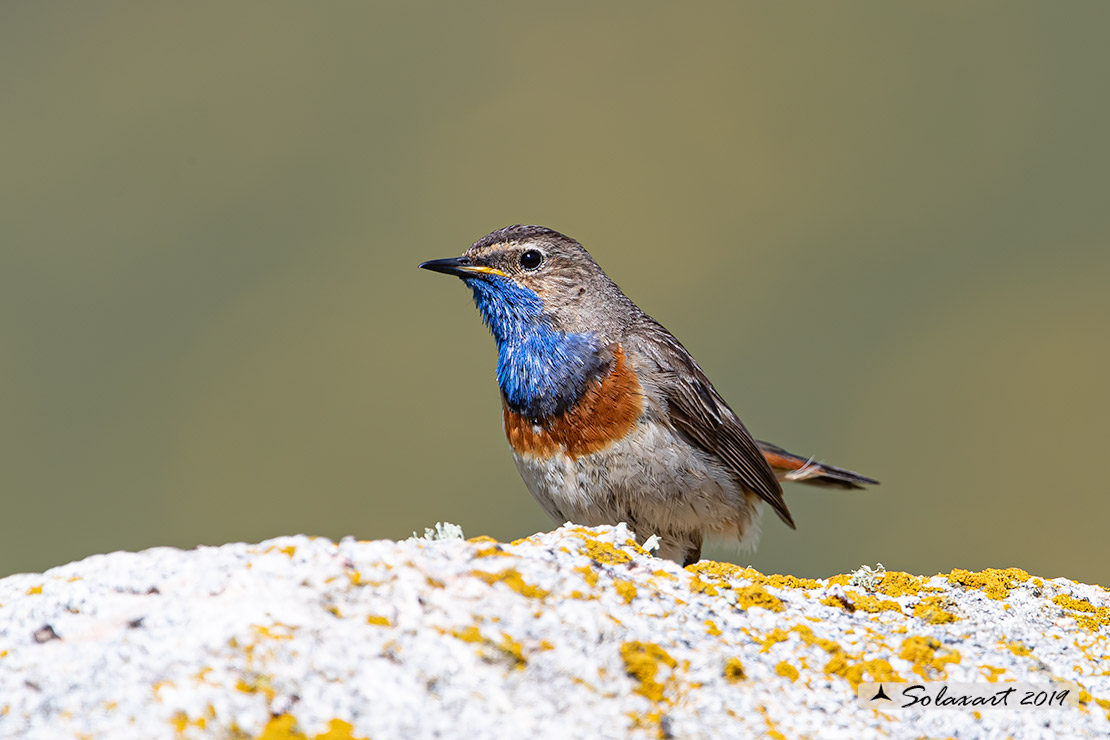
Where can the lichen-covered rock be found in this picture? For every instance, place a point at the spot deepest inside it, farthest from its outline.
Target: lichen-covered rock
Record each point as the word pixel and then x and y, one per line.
pixel 577 633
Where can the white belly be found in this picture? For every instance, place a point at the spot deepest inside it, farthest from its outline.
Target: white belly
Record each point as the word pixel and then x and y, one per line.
pixel 651 479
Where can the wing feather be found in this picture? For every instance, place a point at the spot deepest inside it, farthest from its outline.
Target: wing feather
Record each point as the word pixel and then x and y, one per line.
pixel 699 413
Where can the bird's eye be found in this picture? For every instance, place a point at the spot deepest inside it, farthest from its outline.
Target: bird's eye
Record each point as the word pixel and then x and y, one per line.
pixel 531 259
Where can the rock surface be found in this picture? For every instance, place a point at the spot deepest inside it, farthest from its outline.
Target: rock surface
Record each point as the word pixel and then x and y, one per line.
pixel 576 633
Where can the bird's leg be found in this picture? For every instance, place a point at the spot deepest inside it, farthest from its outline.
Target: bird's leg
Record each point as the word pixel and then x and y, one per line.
pixel 693 551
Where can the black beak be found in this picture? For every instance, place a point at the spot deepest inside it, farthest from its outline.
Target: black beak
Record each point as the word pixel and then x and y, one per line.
pixel 449 266
pixel 459 267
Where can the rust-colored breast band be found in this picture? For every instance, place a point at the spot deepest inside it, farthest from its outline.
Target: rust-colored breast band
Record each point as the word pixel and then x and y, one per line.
pixel 606 412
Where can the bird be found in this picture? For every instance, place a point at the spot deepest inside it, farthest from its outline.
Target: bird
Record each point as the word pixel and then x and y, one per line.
pixel 608 417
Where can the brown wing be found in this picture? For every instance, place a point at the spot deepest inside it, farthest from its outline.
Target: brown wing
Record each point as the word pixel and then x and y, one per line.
pixel 705 419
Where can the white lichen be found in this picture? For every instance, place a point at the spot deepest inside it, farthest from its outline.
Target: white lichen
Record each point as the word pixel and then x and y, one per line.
pixel 442 531
pixel 866 577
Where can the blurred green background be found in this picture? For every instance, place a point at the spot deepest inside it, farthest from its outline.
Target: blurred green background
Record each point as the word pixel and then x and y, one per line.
pixel 883 229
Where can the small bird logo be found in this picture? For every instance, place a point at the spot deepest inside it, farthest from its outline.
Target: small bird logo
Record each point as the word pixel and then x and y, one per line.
pixel 608 416
pixel 880 694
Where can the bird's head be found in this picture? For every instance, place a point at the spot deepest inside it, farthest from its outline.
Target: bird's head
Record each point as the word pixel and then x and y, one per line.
pixel 532 273
pixel 550 308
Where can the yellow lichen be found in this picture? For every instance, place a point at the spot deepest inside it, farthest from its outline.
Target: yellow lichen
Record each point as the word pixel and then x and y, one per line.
pixel 588 574
pixel 773 637
pixel 603 552
pixel 839 601
pixel 1084 698
pixel 772 732
pixel 839 580
pixel 807 636
pixel 749 596
pixel 290 550
pixel 896 583
pixel 257 683
pixel 1086 614
pixel 511 577
pixel 703 587
pixel 179 720
pixel 932 610
pixel 991 673
pixel 284 727
pixel 339 730
pixel 862 602
pixel 34 590
pixel 483 539
pixel 275 631
pixel 879 670
pixel 711 628
pixel 778 581
pixel 993 582
pixel 641 662
pixel 927 661
pixel 734 670
pixel 379 621
pixel 786 670
pixel 717 571
pixel 649 721
pixel 513 649
pixel 709 577
pixel 840 662
pixel 626 589
pixel 1018 649
pixel 469 634
pixel 507 646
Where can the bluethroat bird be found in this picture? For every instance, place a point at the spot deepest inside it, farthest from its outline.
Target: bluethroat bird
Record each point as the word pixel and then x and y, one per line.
pixel 608 416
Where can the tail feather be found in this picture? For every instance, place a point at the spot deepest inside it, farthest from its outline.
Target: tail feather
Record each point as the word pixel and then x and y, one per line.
pixel 791 467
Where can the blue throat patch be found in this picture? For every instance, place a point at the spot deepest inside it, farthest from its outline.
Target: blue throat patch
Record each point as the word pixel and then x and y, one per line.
pixel 542 372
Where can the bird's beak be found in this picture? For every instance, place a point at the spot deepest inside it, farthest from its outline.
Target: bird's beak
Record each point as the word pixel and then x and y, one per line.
pixel 460 267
